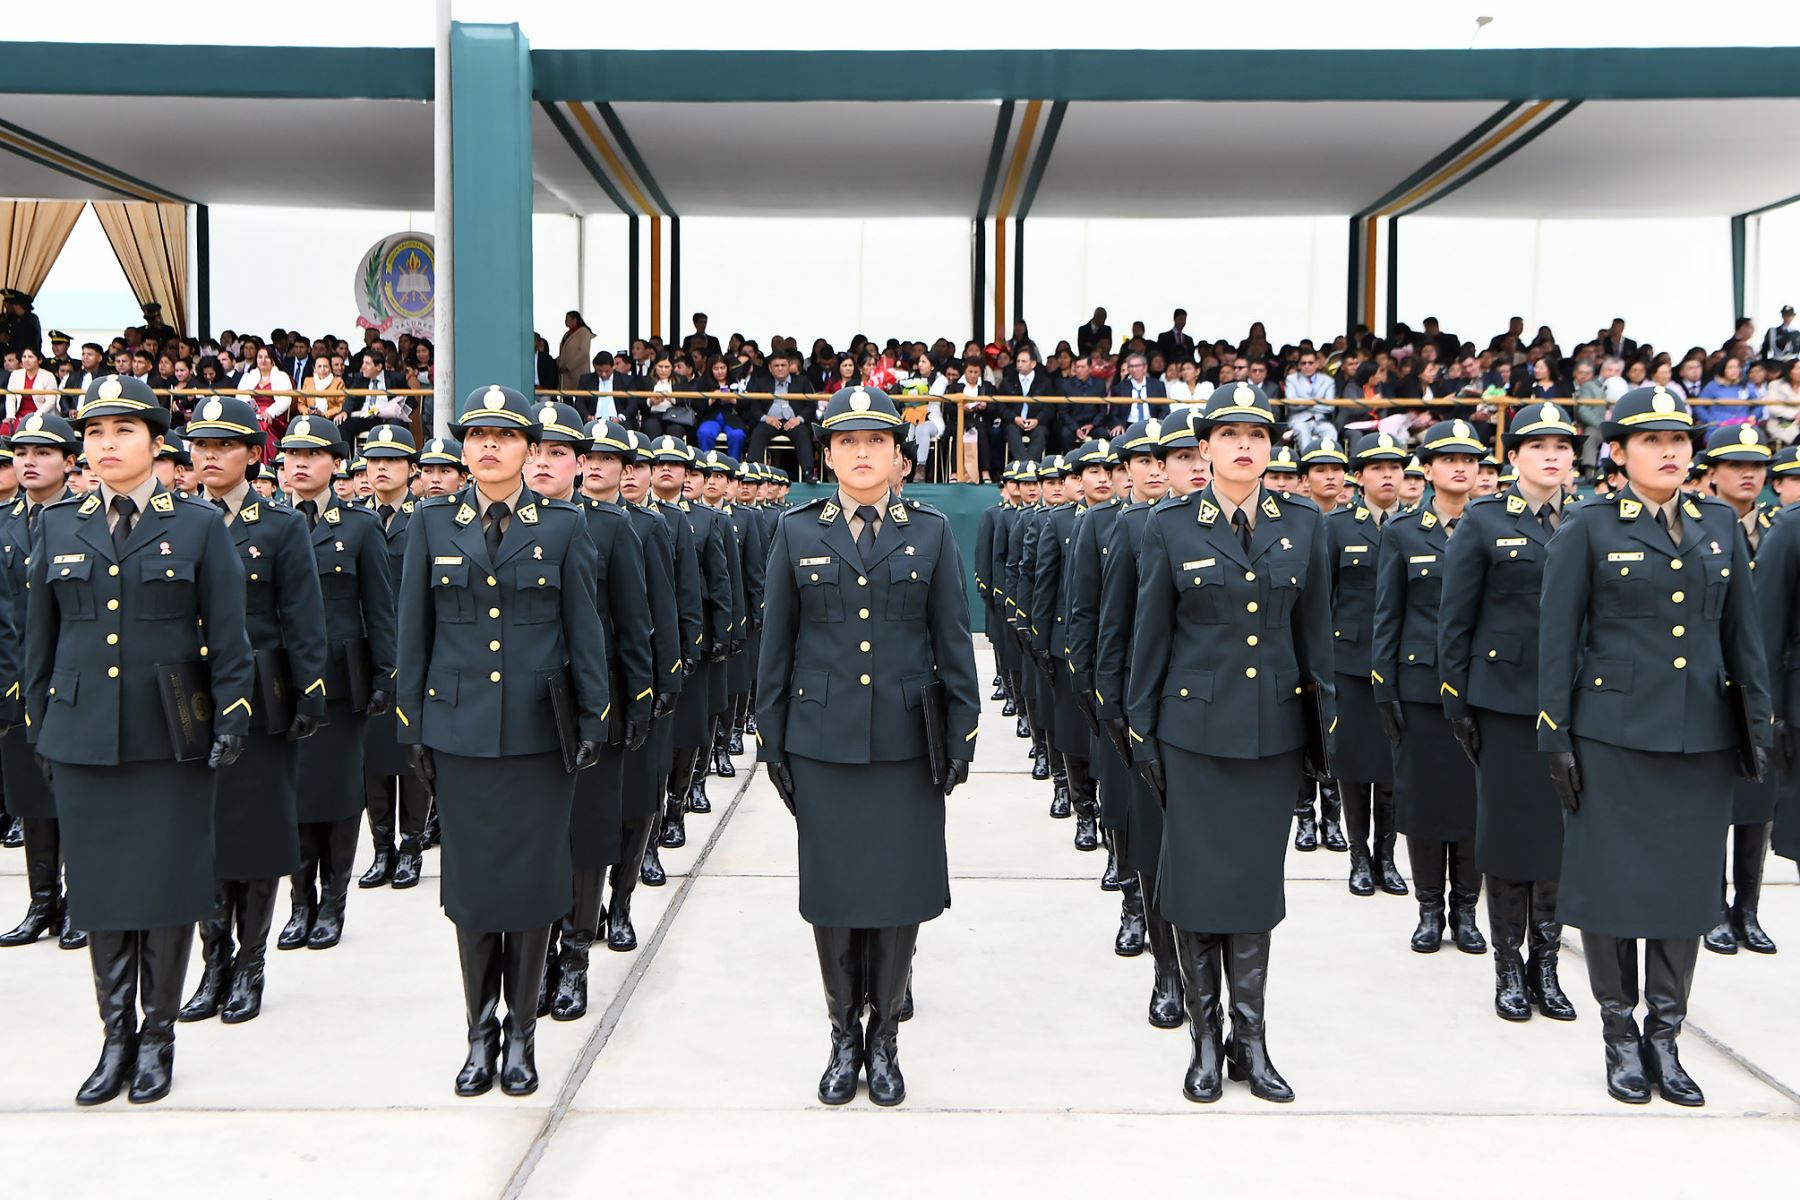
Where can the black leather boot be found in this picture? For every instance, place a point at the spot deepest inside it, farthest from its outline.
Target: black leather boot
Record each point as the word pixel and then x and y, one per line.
pixel 1083 798
pixel 478 955
pixel 334 884
pixel 1021 727
pixel 652 873
pixel 1331 813
pixel 1542 986
pixel 1040 767
pixel 301 890
pixel 433 835
pixel 841 969
pixel 1613 976
pixel 409 864
pixel 254 904
pixel 1247 1051
pixel 12 830
pixel 547 980
pixel 379 801
pixel 1509 905
pixel 1668 978
pixel 722 765
pixel 579 930
pixel 889 954
pixel 1011 707
pixel 70 938
pixel 1722 939
pixel 1428 858
pixel 522 957
pixel 620 935
pixel 1130 940
pixel 113 954
pixel 999 691
pixel 215 957
pixel 1109 878
pixel 1387 874
pixel 43 846
pixel 1306 825
pixel 1061 803
pixel 1465 893
pixel 736 745
pixel 697 799
pixel 674 825
pixel 1198 956
pixel 162 968
pixel 1355 802
pixel 1165 990
pixel 1749 850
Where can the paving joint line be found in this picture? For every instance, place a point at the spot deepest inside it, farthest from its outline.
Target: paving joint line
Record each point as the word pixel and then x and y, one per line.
pixel 609 1020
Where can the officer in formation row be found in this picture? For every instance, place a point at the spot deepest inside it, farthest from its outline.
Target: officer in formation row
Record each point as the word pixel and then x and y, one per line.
pixel 198 686
pixel 1451 721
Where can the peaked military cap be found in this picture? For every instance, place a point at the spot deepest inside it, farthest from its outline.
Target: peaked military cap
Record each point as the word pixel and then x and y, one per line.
pixel 497 407
pixel 123 396
pixel 1095 452
pixel 1450 437
pixel 1647 409
pixel 226 419
pixel 1326 450
pixel 860 408
pixel 1489 461
pixel 1786 461
pixel 57 335
pixel 1737 443
pixel 1143 437
pixel 389 441
pixel 1414 468
pixel 670 449
pixel 610 437
pixel 1509 475
pixel 559 422
pixel 6 453
pixel 1028 471
pixel 1053 466
pixel 1178 428
pixel 1237 404
pixel 442 452
pixel 639 444
pixel 174 449
pixel 1378 447
pixel 1283 462
pixel 1540 420
pixel 314 433
pixel 716 462
pixel 45 429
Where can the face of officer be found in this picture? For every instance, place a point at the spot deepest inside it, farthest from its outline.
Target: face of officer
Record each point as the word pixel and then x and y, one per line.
pixel 1487 480
pixel 1787 489
pixel 551 469
pixel 42 470
pixel 439 479
pixel 864 460
pixel 1325 484
pixel 1097 483
pixel 691 487
pixel 164 470
pixel 185 478
pixel 120 451
pixel 344 489
pixel 1031 493
pixel 1280 481
pixel 634 483
pixel 496 458
pixel 1380 483
pixel 715 487
pixel 1412 488
pixel 668 479
pixel 1544 465
pixel 1238 454
pixel 9 478
pixel 1186 467
pixel 309 472
pixel 1054 490
pixel 1656 462
pixel 601 475
pixel 1739 483
pixel 265 487
pixel 1149 478
pixel 220 464
pixel 387 478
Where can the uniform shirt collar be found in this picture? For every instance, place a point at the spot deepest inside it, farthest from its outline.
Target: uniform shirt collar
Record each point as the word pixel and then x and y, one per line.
pixel 234 499
pixel 1228 511
pixel 850 506
pixel 511 502
pixel 140 495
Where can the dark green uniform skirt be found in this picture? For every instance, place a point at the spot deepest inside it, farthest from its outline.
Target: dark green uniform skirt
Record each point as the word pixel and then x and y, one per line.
pixel 640 793
pixel 254 816
pixel 506 857
pixel 138 840
pixel 1641 856
pixel 1786 839
pixel 1115 781
pixel 1360 751
pixel 1518 819
pixel 26 793
pixel 330 784
pixel 1754 803
pixel 872 851
pixel 1224 842
pixel 693 713
pixel 596 826
pixel 1143 833
pixel 718 687
pixel 382 752
pixel 1069 732
pixel 1434 783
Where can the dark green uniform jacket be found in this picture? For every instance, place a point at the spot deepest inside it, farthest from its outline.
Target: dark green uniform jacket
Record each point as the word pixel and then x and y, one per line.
pixel 282 604
pixel 1409 583
pixel 352 553
pixel 621 598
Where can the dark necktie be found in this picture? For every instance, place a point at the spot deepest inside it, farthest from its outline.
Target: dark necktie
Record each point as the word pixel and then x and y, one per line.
pixel 126 508
pixel 1450 526
pixel 865 541
pixel 496 513
pixel 1241 524
pixel 223 507
pixel 311 509
pixel 1544 519
pixel 31 515
pixel 386 512
pixel 1662 518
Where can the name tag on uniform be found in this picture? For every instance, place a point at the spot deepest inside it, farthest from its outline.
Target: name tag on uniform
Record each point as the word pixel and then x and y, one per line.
pixel 1357 549
pixel 1198 563
pixel 1625 556
pixel 1512 541
pixel 454 560
pixel 1422 558
pixel 815 562
pixel 66 558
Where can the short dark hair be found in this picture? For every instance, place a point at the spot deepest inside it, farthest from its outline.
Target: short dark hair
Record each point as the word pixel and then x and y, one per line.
pixel 1181 312
pixel 603 359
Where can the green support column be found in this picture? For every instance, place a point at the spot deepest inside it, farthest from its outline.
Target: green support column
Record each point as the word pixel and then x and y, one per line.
pixel 1738 264
pixel 490 189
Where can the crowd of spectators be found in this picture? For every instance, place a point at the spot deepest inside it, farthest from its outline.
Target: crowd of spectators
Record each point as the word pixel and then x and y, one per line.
pixel 751 399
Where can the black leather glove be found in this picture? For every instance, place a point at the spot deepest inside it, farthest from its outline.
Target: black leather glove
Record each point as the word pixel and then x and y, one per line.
pixel 5 727
pixel 586 754
pixel 636 734
pixel 959 773
pixel 717 652
pixel 1119 734
pixel 423 766
pixel 378 704
pixel 1565 777
pixel 1468 737
pixel 737 645
pixel 688 667
pixel 1760 758
pixel 662 706
pixel 1393 720
pixel 305 725
pixel 783 779
pixel 1783 754
pixel 1152 773
pixel 225 750
pixel 46 770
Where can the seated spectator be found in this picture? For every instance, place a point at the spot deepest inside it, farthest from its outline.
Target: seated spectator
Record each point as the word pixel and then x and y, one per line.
pixel 1781 403
pixel 262 379
pixel 1310 423
pixel 1727 384
pixel 664 414
pixel 724 413
pixel 324 391
pixel 1130 392
pixel 1027 424
pixel 1087 414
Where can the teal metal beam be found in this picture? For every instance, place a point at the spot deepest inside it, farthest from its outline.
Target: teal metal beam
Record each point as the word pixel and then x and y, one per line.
pixel 490 188
pixel 1739 242
pixel 246 72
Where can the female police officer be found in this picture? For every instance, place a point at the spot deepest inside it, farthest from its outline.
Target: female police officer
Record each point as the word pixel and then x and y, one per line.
pixel 502 689
pixel 1233 625
pixel 1487 656
pixel 866 614
pixel 1648 641
pixel 121 583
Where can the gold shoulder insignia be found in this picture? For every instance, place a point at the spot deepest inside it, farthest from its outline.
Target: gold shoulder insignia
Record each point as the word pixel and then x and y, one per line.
pixel 18 508
pixel 1691 509
pixel 1629 509
pixel 464 515
pixel 898 512
pixel 1362 514
pixel 1515 505
pixel 1428 521
pixel 1763 520
pixel 829 513
pixel 162 502
pixel 1270 508
pixel 250 514
pixel 528 514
pixel 1209 512
pixel 407 507
pixel 91 505
pixel 333 515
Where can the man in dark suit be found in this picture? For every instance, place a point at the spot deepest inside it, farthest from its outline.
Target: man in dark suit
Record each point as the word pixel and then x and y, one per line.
pixel 1616 344
pixel 606 378
pixel 1027 425
pixel 700 339
pixel 1081 418
pixel 1176 344
pixel 1132 389
pixel 298 365
pixel 1093 333
pixel 782 417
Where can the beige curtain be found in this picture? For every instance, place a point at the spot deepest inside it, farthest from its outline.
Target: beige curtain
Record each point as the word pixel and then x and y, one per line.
pixel 151 242
pixel 32 234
